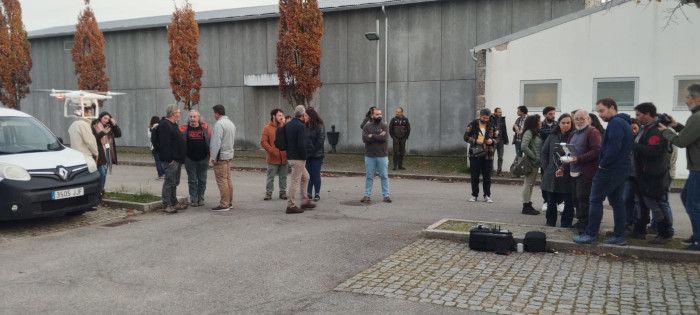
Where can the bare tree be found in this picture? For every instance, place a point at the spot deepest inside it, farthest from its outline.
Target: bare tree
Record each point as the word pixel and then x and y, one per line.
pixel 88 52
pixel 15 55
pixel 299 50
pixel 185 73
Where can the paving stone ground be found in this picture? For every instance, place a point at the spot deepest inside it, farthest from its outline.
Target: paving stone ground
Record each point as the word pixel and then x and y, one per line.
pixel 27 228
pixel 449 273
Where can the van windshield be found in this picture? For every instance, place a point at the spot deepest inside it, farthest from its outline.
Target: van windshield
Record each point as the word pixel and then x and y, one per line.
pixel 26 135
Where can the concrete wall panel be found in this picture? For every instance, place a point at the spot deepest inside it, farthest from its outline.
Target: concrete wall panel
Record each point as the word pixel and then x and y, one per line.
pixel 494 19
pixel 458 36
pixel 271 35
pixel 425 132
pixel 424 32
pixel 208 49
pixel 161 58
pixel 362 53
pixel 563 7
pixel 398 43
pixel 360 99
pixel 457 109
pixel 334 46
pixel 231 54
pixel 145 59
pixel 530 13
pixel 334 98
pixel 69 79
pixel 254 48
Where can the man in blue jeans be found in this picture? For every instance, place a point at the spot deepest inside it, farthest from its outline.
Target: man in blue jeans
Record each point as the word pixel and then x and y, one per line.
pixel 375 135
pixel 614 168
pixel 689 137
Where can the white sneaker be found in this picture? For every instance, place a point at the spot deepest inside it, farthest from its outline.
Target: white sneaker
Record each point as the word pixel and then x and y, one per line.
pixel 544 207
pixel 488 199
pixel 560 207
pixel 472 199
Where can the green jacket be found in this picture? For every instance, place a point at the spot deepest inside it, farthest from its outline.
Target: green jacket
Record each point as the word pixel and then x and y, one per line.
pixel 688 137
pixel 532 146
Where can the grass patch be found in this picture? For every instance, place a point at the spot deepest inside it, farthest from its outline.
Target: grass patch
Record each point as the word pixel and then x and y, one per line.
pixel 141 197
pixel 458 226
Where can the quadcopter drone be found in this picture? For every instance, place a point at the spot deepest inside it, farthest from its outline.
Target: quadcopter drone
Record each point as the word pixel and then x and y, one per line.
pixel 80 100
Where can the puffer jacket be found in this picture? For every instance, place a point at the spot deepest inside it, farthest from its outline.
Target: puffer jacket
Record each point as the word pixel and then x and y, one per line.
pixel 314 142
pixel 532 147
pixel 267 141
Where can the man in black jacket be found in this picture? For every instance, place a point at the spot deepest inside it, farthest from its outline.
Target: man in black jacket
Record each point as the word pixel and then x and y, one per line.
pixel 173 148
pixel 295 132
pixel 499 122
pixel 651 162
pixel 399 130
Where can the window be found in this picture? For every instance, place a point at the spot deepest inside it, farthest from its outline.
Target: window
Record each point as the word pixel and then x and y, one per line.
pixel 681 84
pixel 624 91
pixel 538 94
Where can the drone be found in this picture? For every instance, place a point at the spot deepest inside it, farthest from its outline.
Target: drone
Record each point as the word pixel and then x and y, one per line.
pixel 80 99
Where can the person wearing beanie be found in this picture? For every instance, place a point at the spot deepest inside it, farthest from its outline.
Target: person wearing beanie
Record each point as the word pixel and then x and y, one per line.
pixel 481 136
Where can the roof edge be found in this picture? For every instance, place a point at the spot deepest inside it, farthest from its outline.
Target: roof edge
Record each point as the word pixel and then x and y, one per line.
pixel 547 25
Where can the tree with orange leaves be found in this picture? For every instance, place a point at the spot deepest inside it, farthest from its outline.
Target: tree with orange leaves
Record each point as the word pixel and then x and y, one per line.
pixel 15 55
pixel 185 73
pixel 299 50
pixel 88 52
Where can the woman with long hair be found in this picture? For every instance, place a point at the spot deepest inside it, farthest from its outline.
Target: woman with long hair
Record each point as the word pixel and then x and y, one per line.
pixel 156 156
pixel 555 182
pixel 315 138
pixel 595 122
pixel 531 146
pixel 106 130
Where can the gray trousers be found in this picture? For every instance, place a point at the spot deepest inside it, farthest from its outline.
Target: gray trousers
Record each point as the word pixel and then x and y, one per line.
pixel 170 182
pixel 273 170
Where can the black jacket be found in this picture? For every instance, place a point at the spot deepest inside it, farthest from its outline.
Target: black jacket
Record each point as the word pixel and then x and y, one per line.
pixel 173 145
pixel 295 130
pixel 500 124
pixel 314 142
pixel 651 161
pixel 399 128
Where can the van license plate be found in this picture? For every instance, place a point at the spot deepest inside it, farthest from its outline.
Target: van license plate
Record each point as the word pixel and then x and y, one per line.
pixel 67 193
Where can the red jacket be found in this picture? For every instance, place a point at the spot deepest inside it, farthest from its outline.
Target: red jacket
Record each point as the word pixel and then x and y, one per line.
pixel 267 141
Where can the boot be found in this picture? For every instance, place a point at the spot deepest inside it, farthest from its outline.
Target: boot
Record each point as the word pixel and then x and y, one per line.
pixel 395 163
pixel 401 163
pixel 528 209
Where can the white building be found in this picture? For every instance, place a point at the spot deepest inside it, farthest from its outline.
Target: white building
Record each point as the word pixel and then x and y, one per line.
pixel 627 51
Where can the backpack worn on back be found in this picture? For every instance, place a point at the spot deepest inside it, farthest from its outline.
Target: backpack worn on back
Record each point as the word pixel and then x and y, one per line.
pixel 155 142
pixel 281 139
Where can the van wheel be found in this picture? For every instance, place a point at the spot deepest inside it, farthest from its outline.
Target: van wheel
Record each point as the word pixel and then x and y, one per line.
pixel 75 213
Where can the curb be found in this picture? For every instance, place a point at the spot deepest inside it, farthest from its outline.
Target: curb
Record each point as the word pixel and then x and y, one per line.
pixel 636 252
pixel 143 207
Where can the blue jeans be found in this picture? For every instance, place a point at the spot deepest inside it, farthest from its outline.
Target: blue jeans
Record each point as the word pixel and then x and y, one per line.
pixel 518 150
pixel 668 213
pixel 691 201
pixel 630 204
pixel 159 164
pixel 196 178
pixel 313 166
pixel 103 175
pixel 372 164
pixel 611 185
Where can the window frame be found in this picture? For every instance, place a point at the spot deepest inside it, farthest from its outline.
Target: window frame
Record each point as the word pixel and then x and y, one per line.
pixel 550 81
pixel 635 101
pixel 678 98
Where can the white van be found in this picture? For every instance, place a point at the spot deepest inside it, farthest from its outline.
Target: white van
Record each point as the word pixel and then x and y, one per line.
pixel 39 176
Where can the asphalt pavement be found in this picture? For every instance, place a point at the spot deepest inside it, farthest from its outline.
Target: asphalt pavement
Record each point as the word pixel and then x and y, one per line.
pixel 254 258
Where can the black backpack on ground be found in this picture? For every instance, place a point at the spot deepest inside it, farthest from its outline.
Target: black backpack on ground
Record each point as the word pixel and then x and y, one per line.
pixel 491 239
pixel 535 241
pixel 281 139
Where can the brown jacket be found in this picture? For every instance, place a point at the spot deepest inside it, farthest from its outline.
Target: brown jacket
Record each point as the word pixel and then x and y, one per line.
pixel 267 141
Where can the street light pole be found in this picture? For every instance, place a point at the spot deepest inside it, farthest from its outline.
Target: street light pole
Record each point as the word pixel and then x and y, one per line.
pixel 377 93
pixel 386 62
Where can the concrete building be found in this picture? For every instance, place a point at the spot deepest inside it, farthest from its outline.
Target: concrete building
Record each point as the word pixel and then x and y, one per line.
pixel 627 51
pixel 430 71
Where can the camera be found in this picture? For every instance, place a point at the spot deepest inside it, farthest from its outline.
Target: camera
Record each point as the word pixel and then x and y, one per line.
pixel 664 119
